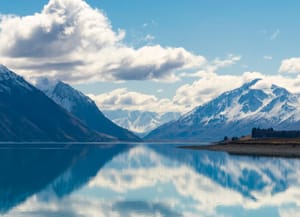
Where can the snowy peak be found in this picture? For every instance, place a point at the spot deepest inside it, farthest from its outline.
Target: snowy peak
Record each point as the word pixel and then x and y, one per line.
pixel 6 74
pixel 248 85
pixel 251 99
pixel 63 94
pixel 85 109
pixel 255 104
pixel 46 84
pixel 3 68
pixel 9 79
pixel 66 90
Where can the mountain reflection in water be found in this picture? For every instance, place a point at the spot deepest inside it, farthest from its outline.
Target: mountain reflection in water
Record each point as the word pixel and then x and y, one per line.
pixel 143 180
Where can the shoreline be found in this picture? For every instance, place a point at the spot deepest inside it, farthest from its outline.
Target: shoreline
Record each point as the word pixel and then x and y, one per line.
pixel 287 148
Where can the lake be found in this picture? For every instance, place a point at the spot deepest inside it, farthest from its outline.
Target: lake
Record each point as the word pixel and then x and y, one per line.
pixel 127 180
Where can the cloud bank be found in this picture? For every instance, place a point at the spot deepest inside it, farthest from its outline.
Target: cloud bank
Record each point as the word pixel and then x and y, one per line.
pixel 73 42
pixel 122 98
pixel 189 96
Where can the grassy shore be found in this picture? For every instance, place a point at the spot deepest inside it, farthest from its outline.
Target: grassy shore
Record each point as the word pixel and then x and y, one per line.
pixel 289 148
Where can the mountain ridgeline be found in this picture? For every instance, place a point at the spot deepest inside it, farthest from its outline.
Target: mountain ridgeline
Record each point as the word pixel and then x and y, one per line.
pixel 235 113
pixel 85 109
pixel 58 112
pixel 27 114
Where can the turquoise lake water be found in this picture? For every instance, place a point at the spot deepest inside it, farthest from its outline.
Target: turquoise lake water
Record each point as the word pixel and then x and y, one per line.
pixel 127 180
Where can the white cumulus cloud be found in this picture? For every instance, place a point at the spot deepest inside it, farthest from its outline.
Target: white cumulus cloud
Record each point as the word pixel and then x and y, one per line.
pixel 291 65
pixel 189 96
pixel 122 98
pixel 71 41
pixel 214 65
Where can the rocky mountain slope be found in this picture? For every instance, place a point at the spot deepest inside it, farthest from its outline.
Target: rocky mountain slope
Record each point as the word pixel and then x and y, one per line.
pixel 82 107
pixel 27 114
pixel 235 113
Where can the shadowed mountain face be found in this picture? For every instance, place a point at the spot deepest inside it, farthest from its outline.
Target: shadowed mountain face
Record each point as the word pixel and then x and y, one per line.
pixel 27 114
pixel 86 110
pixel 235 113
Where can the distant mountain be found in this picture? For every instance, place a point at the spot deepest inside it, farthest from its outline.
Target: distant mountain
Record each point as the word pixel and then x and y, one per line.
pixel 82 107
pixel 140 122
pixel 27 114
pixel 235 113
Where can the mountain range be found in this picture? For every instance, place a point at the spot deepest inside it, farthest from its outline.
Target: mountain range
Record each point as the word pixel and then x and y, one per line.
pixel 27 114
pixel 58 112
pixel 140 122
pixel 235 113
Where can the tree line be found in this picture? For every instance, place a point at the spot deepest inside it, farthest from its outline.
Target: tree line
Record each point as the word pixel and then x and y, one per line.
pixel 271 133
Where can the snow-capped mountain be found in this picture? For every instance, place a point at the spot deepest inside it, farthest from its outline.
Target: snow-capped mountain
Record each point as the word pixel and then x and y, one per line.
pixel 235 113
pixel 9 80
pixel 140 122
pixel 82 107
pixel 27 114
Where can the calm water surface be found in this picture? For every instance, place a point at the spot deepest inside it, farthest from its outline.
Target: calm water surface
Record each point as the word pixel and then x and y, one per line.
pixel 143 180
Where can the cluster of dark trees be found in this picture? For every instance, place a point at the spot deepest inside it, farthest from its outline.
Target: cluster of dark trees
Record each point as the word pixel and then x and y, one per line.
pixel 271 133
pixel 230 139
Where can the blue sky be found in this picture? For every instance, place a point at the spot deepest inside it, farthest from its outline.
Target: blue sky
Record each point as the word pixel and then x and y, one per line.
pixel 211 28
pixel 262 34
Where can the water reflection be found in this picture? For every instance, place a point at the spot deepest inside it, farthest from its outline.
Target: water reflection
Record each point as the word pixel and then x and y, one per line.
pixel 29 168
pixel 148 180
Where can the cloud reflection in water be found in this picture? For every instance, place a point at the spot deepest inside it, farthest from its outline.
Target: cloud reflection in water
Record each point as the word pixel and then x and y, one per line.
pixel 158 181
